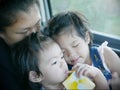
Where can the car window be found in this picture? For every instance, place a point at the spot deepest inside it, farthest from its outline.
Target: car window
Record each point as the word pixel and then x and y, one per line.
pixel 103 15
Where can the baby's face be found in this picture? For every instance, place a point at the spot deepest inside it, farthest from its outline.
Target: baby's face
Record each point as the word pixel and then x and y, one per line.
pixel 75 48
pixel 53 65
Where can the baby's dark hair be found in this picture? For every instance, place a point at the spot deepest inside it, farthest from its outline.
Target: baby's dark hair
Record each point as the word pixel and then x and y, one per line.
pixel 9 10
pixel 25 56
pixel 62 20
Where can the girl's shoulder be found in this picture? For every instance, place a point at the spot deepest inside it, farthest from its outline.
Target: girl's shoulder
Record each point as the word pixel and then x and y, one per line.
pixel 99 60
pixel 105 51
pixel 103 47
pixel 107 54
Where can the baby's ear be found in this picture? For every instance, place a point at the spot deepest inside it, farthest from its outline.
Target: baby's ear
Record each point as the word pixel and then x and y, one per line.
pixel 34 77
pixel 87 37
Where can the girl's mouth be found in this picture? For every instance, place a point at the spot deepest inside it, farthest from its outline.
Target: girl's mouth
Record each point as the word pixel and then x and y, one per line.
pixel 74 61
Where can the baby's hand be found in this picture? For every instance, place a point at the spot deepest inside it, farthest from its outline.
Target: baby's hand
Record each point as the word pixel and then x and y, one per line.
pixel 86 70
pixel 115 81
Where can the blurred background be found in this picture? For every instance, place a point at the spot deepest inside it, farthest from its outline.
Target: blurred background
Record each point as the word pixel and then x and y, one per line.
pixel 103 15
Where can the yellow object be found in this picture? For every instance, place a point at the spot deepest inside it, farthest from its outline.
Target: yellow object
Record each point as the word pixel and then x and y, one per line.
pixel 82 83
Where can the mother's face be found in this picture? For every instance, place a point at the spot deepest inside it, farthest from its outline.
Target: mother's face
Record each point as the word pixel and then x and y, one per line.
pixel 27 22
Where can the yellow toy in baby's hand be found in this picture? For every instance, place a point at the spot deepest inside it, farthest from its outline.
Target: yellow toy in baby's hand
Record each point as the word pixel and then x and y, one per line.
pixel 82 83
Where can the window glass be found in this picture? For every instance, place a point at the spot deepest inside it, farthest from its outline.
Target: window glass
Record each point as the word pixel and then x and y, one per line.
pixel 103 15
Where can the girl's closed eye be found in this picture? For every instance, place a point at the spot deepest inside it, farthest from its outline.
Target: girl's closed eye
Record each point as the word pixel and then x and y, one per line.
pixel 76 44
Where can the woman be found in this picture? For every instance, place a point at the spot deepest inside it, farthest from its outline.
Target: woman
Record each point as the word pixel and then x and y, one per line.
pixel 18 19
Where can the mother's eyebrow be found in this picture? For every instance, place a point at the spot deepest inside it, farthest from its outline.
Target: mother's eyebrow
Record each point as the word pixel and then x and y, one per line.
pixel 38 21
pixel 27 27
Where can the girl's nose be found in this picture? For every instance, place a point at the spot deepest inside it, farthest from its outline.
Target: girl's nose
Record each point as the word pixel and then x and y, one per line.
pixel 70 53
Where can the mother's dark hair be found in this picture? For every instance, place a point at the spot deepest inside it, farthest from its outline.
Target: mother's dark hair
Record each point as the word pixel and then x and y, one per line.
pixel 9 9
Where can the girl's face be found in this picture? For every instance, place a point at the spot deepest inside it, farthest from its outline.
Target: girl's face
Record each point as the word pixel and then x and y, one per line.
pixel 53 65
pixel 74 47
pixel 27 22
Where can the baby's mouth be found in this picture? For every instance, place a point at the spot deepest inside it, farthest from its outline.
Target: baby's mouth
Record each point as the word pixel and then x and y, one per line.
pixel 69 72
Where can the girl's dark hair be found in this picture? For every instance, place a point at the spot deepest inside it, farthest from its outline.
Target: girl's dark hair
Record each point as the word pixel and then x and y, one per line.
pixel 9 9
pixel 62 20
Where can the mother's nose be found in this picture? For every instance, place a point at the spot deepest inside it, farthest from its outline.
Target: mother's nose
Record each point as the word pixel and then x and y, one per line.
pixel 33 30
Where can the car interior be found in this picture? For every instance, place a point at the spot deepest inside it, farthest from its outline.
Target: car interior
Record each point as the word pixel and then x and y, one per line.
pixel 47 11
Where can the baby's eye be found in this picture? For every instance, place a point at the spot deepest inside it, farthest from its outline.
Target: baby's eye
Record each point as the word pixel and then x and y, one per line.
pixel 54 63
pixel 62 57
pixel 63 51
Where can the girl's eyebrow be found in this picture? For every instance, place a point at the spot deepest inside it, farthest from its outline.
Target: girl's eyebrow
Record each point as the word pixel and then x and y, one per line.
pixel 74 41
